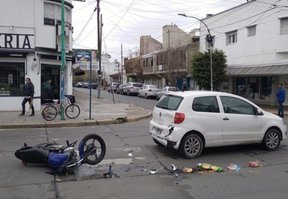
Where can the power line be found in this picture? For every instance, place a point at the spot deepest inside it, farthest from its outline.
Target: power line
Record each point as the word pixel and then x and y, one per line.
pixel 84 27
pixel 120 19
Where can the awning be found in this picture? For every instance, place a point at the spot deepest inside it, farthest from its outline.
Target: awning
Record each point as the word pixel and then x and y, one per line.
pixel 259 70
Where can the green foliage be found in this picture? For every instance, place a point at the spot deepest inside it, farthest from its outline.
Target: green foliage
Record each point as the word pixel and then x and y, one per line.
pixel 201 69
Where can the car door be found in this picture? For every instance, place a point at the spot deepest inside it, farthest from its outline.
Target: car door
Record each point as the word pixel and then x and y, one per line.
pixel 207 119
pixel 240 124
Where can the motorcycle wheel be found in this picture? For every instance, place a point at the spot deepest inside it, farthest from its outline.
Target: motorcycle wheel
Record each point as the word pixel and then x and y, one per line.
pixel 92 149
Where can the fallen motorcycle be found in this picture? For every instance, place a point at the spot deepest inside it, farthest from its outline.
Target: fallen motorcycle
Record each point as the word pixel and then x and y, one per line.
pixel 64 159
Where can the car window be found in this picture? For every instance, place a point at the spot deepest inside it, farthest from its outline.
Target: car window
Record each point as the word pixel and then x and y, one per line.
pixel 169 102
pixel 206 104
pixel 137 85
pixel 236 106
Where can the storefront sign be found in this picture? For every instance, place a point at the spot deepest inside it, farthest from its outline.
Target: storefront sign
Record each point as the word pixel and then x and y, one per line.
pixel 16 41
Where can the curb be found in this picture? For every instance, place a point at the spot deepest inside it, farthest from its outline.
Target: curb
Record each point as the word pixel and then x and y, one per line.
pixel 76 124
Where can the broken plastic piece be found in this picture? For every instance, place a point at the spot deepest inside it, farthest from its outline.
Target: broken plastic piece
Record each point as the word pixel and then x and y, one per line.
pixel 152 171
pixel 217 169
pixel 254 164
pixel 204 166
pixel 233 167
pixel 187 170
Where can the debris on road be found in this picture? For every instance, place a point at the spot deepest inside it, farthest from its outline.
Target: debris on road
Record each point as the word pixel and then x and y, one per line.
pixel 233 167
pixel 254 164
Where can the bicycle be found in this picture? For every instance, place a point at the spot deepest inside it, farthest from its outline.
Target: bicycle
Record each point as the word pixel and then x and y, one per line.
pixel 72 110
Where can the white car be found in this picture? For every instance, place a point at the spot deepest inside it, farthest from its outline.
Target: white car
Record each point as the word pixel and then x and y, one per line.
pixel 148 91
pixel 166 90
pixel 191 120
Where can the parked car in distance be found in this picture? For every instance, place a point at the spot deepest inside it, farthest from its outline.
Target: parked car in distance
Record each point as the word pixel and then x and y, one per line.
pixel 79 84
pixel 113 87
pixel 132 88
pixel 166 90
pixel 85 84
pixel 192 120
pixel 148 91
pixel 119 89
pixel 94 85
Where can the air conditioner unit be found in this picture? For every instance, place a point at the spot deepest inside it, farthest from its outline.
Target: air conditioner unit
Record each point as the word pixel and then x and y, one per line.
pixel 160 67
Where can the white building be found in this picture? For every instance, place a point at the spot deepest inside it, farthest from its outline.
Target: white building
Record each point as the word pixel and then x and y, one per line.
pixel 254 36
pixel 30 47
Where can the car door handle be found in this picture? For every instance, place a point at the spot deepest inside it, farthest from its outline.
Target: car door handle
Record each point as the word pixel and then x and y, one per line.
pixel 225 118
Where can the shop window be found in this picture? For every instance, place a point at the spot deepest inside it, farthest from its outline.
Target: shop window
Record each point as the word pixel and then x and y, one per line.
pixel 253 88
pixel 12 79
pixel 266 88
pixel 241 86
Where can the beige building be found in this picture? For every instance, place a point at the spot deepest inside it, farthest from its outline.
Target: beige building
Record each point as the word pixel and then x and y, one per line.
pixel 166 63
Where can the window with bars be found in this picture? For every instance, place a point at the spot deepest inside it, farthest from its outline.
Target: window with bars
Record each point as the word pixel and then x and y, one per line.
pixel 231 37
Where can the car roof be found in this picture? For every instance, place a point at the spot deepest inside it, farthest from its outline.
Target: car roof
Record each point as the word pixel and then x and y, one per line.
pixel 202 93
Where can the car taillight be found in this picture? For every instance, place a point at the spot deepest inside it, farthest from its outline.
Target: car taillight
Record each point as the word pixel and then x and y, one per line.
pixel 179 118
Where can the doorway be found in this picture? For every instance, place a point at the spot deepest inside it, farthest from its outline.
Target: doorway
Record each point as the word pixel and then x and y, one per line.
pixel 52 72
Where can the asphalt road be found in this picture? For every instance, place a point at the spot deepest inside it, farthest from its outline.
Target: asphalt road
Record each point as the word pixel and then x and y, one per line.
pixel 132 154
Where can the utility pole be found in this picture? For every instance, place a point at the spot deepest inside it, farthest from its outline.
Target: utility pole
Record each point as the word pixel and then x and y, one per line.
pixel 121 66
pixel 99 31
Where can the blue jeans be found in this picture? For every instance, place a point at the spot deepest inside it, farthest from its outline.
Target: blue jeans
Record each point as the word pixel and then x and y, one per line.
pixel 280 109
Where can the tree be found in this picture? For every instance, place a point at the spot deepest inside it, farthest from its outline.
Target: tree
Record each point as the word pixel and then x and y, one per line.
pixel 201 69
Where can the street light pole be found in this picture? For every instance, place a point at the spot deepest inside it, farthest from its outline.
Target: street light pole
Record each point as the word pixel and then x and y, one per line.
pixel 209 39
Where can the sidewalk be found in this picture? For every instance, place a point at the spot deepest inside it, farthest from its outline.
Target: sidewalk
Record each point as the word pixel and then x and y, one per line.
pixel 104 111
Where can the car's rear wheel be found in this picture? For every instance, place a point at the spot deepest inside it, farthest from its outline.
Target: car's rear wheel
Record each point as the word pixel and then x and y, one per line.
pixel 271 140
pixel 191 146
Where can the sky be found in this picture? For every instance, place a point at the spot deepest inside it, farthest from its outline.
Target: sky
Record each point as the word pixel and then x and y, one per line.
pixel 124 21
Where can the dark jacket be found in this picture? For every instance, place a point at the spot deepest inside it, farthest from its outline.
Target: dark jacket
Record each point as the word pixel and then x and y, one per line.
pixel 29 89
pixel 281 95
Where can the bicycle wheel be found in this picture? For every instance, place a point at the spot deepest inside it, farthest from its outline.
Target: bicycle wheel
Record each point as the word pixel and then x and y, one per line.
pixel 92 149
pixel 72 111
pixel 49 113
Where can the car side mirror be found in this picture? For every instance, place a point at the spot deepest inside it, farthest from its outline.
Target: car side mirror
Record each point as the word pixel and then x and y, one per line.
pixel 258 111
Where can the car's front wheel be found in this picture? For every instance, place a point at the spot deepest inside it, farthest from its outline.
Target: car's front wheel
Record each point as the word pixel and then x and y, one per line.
pixel 191 146
pixel 271 140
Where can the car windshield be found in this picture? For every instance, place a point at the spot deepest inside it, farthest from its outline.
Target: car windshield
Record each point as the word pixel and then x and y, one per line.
pixel 137 85
pixel 169 102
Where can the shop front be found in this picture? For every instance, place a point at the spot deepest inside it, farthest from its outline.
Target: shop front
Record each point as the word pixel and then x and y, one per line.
pixel 259 84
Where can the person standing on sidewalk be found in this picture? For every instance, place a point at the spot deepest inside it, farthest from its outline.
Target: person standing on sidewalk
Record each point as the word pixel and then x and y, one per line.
pixel 281 94
pixel 29 94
